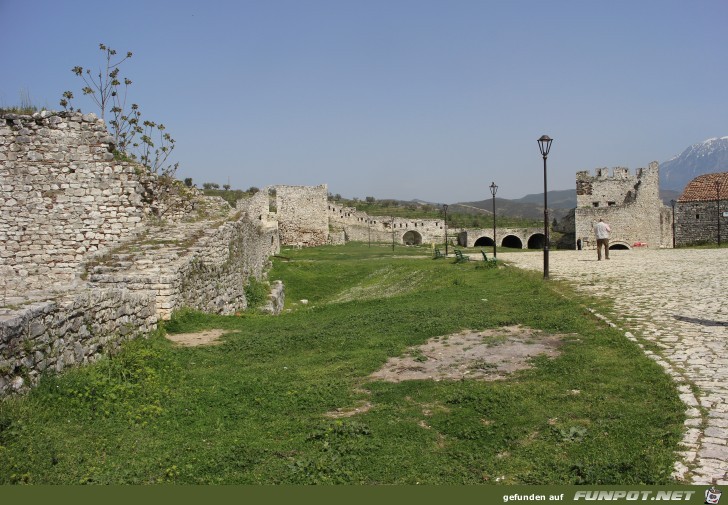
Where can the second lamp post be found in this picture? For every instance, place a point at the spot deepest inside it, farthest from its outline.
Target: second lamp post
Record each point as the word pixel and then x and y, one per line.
pixel 493 189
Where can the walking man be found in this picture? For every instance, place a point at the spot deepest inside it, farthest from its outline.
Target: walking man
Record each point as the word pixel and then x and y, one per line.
pixel 602 230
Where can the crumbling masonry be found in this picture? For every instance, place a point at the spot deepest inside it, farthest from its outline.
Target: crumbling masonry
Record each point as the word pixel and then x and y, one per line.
pixel 629 203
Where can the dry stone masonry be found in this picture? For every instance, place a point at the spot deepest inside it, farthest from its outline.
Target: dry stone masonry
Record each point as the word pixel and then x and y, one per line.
pixel 62 196
pixel 629 203
pixel 85 259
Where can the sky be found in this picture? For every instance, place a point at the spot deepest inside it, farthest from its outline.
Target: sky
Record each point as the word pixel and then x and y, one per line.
pixel 407 99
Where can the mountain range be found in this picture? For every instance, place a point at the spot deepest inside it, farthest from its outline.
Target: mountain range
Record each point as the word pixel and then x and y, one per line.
pixel 705 157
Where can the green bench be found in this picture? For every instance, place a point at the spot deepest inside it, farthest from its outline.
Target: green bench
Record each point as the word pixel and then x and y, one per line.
pixel 489 262
pixel 438 254
pixel 459 256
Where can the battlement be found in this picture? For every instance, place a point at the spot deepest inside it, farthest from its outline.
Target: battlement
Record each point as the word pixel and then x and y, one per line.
pixel 618 173
pixel 631 203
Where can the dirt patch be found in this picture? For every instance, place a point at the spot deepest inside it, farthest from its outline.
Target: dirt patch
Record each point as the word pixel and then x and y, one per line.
pixel 205 337
pixel 479 355
pixel 483 355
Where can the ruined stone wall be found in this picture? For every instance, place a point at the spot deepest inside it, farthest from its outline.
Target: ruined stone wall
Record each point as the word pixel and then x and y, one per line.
pixel 203 265
pixel 301 215
pixel 62 196
pixel 74 329
pixel 361 227
pixel 93 252
pixel 630 204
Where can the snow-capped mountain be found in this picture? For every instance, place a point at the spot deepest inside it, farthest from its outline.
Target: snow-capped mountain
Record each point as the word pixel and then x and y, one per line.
pixel 704 157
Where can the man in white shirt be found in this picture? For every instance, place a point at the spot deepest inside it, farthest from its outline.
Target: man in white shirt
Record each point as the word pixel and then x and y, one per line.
pixel 602 230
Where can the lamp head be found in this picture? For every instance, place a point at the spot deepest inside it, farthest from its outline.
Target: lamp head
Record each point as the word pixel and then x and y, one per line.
pixel 544 145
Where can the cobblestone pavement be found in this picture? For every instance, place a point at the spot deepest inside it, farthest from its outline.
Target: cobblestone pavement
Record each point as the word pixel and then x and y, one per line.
pixel 677 300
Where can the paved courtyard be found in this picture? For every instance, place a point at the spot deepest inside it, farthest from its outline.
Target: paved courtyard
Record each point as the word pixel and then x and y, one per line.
pixel 677 300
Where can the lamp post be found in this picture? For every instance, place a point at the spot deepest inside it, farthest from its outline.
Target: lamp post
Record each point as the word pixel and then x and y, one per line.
pixel 672 202
pixel 493 189
pixel 717 192
pixel 445 208
pixel 392 233
pixel 544 145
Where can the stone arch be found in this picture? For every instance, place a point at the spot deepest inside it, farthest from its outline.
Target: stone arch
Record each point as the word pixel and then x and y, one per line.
pixel 484 241
pixel 536 241
pixel 412 238
pixel 512 241
pixel 619 246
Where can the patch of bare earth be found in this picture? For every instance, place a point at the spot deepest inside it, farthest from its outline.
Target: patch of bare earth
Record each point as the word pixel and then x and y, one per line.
pixel 480 355
pixel 205 337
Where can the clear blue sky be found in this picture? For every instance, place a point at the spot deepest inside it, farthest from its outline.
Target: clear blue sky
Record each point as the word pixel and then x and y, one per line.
pixel 393 98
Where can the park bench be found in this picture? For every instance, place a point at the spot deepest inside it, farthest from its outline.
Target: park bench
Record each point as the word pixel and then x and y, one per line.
pixel 459 256
pixel 489 262
pixel 438 254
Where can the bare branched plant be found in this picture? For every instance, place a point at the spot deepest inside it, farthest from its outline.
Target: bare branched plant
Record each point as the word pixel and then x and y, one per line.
pixel 144 141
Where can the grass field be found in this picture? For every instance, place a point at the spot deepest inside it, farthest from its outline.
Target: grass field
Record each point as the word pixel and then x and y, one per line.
pixel 253 409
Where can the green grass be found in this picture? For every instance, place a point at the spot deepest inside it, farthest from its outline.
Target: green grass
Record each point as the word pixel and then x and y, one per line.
pixel 252 410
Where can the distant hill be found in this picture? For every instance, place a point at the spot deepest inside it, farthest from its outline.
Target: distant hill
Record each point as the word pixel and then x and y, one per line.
pixel 705 157
pixel 529 207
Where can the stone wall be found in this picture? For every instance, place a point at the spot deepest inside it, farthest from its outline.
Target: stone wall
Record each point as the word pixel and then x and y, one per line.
pixel 301 215
pixel 93 252
pixel 361 227
pixel 696 222
pixel 202 265
pixel 73 329
pixel 62 196
pixel 702 210
pixel 630 204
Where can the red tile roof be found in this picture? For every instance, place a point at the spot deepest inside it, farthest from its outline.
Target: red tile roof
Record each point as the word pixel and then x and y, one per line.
pixel 704 188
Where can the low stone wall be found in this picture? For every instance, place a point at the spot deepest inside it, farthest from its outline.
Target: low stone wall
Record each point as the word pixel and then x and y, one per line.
pixel 74 329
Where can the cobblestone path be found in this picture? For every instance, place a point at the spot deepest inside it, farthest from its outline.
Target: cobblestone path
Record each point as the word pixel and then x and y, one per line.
pixel 677 300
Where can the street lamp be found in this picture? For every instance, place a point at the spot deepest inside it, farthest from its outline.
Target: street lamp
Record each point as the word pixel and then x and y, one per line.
pixel 445 207
pixel 493 189
pixel 544 145
pixel 392 233
pixel 672 202
pixel 717 192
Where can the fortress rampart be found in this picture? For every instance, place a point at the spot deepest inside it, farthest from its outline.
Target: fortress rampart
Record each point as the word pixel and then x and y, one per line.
pixel 92 251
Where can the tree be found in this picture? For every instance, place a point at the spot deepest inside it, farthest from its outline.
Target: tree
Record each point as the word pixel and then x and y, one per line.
pixel 143 141
pixel 188 182
pixel 207 185
pixel 226 187
pixel 370 199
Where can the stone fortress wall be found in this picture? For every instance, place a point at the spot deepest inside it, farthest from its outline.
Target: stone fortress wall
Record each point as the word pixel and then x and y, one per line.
pixel 349 224
pixel 629 203
pixel 301 215
pixel 61 195
pixel 84 262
